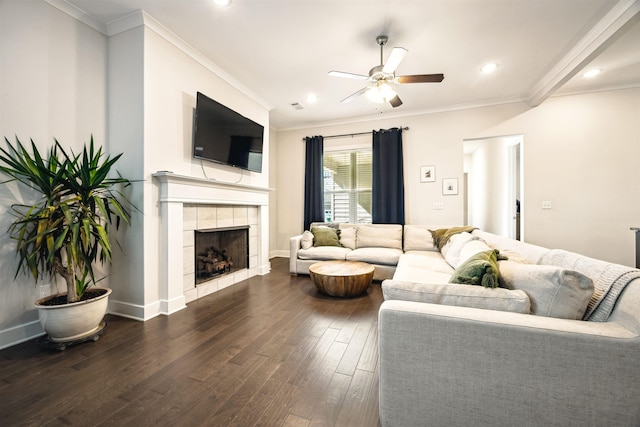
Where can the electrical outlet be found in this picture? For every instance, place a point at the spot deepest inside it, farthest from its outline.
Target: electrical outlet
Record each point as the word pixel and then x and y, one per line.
pixel 438 206
pixel 546 204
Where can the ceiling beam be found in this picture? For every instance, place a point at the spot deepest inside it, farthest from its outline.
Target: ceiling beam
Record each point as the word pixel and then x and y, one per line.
pixel 587 49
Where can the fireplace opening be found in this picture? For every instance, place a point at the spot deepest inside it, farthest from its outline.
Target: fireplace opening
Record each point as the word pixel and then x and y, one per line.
pixel 220 251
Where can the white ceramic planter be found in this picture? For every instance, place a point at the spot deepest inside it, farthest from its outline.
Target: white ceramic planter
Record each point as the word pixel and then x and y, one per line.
pixel 75 321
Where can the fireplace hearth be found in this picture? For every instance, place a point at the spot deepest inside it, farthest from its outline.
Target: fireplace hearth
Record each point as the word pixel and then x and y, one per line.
pixel 220 251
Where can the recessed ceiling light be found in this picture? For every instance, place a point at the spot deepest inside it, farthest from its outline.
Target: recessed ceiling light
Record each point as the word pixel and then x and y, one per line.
pixel 592 73
pixel 489 68
pixel 223 3
pixel 311 98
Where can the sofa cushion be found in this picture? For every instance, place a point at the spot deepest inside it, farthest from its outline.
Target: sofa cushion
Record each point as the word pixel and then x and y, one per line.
pixel 379 236
pixel 554 291
pixel 480 269
pixel 323 253
pixel 325 236
pixel 423 267
pixel 416 274
pixel 426 260
pixel 458 295
pixel 383 256
pixel 348 237
pixel 307 240
pixel 418 238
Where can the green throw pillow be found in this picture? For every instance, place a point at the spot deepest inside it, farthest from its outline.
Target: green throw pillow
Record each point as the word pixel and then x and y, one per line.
pixel 325 236
pixel 479 269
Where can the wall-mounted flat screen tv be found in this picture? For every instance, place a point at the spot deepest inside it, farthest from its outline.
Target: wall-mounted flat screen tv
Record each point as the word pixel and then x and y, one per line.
pixel 224 136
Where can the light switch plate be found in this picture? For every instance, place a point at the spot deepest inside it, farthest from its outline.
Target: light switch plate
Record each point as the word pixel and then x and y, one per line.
pixel 546 204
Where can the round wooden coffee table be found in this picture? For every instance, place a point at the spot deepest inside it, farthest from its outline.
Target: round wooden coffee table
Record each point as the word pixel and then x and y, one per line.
pixel 341 278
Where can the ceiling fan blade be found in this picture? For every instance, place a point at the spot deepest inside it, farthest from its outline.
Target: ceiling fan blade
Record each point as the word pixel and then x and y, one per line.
pixel 396 57
pixel 355 95
pixel 395 101
pixel 348 75
pixel 420 78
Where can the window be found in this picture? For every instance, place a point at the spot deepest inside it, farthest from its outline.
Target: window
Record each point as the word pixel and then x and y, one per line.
pixel 347 186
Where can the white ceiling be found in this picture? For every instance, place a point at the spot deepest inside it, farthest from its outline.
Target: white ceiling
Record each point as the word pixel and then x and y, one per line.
pixel 282 49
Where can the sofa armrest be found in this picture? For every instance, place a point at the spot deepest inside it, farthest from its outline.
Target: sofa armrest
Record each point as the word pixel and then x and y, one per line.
pixel 445 365
pixel 294 247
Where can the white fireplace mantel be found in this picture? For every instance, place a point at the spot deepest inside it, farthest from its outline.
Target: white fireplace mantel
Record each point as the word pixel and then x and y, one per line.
pixel 192 190
pixel 179 190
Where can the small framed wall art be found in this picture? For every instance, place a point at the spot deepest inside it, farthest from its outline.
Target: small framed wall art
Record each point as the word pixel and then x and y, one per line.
pixel 449 186
pixel 427 174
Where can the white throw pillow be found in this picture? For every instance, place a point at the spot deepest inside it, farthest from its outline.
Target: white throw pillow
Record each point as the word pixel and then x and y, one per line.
pixel 452 249
pixel 471 248
pixel 348 237
pixel 554 291
pixel 307 240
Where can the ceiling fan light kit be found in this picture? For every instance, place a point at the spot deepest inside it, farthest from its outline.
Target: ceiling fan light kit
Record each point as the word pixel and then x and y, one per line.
pixel 380 91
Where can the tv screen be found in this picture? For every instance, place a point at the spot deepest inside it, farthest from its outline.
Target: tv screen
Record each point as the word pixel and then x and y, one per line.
pixel 224 136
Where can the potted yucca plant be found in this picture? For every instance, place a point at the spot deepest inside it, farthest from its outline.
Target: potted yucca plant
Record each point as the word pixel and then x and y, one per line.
pixel 65 231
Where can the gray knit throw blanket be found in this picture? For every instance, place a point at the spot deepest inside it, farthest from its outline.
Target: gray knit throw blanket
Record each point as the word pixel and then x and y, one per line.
pixel 609 280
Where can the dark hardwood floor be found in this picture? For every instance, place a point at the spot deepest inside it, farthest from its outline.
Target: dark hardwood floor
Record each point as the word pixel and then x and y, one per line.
pixel 269 351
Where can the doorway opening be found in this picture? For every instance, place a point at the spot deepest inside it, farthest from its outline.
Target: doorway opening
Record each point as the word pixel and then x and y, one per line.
pixel 494 184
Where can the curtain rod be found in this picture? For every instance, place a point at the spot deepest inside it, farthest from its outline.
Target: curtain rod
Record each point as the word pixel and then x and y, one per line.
pixel 351 134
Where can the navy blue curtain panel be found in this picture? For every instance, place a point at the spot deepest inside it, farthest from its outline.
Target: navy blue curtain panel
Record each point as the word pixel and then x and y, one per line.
pixel 313 177
pixel 387 191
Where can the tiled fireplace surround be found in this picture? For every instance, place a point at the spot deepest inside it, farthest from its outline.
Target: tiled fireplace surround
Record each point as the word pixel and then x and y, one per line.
pixel 188 204
pixel 200 217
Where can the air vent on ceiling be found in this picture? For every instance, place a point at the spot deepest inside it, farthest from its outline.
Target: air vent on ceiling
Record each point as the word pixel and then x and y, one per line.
pixel 297 106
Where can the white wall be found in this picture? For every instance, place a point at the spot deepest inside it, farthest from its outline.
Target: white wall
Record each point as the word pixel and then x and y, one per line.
pixel 135 92
pixel 162 76
pixel 52 85
pixel 273 198
pixel 126 135
pixel 580 153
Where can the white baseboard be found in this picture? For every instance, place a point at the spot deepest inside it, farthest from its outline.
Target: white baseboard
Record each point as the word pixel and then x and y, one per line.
pixel 21 333
pixel 146 312
pixel 279 254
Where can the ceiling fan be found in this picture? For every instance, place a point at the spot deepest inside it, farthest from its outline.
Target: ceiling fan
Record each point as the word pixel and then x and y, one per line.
pixel 381 75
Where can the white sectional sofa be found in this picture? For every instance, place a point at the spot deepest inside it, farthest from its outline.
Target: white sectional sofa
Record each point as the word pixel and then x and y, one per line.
pixel 520 354
pixel 446 365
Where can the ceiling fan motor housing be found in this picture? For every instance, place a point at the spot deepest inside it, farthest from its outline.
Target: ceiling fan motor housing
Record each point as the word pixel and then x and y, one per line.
pixel 376 74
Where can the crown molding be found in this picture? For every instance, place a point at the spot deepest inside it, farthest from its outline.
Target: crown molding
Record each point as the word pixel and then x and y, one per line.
pixel 591 45
pixel 609 88
pixel 78 14
pixel 141 18
pixel 398 115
